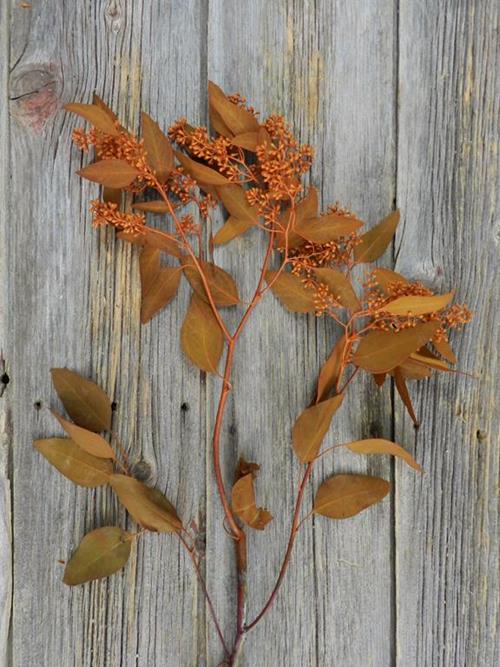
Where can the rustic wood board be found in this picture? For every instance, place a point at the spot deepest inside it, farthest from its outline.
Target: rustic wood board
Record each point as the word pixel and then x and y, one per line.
pixel 401 101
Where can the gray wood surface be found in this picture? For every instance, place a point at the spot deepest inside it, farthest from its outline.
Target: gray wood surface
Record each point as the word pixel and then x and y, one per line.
pixel 401 100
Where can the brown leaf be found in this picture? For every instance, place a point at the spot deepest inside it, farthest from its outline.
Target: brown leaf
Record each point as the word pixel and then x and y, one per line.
pixel 385 277
pixel 404 393
pixel 109 195
pixel 306 209
pixel 381 446
pixel 342 496
pixel 417 305
pixel 99 102
pixel 292 292
pixel 91 442
pixel 249 141
pixel 234 117
pixel 111 173
pixel 379 379
pixel 312 426
pixel 221 284
pixel 243 501
pixel 381 351
pixel 445 350
pixel 153 238
pixel 340 286
pixel 245 467
pixel 231 229
pixel 146 505
pixel 426 358
pixel 159 152
pixel 202 175
pixel 413 370
pixel 102 552
pixel 375 241
pixel 157 206
pixel 158 285
pixel 202 339
pixel 235 202
pixel 329 373
pixel 327 227
pixel 74 463
pixel 85 402
pixel 95 116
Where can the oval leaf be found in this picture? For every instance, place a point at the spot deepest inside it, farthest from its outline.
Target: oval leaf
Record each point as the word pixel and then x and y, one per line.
pixel 342 496
pixel 202 339
pixel 249 141
pixel 159 152
pixel 111 173
pixel 340 286
pixel 292 292
pixel 95 115
pixel 385 277
pixel 381 446
pixel 102 552
pixel 327 227
pixel 376 240
pixel 91 442
pixel 146 505
pixel 417 305
pixel 231 229
pixel 381 351
pixel 74 463
pixel 234 117
pixel 201 174
pixel 243 501
pixel 235 202
pixel 84 401
pixel 312 426
pixel 158 285
pixel 329 373
pixel 157 206
pixel 221 284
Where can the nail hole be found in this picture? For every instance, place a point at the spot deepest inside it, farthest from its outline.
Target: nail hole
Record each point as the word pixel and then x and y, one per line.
pixel 481 435
pixel 114 406
pixel 37 405
pixel 5 379
pixel 184 407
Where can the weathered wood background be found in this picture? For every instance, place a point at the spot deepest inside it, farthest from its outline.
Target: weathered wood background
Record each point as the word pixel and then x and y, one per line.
pixel 401 100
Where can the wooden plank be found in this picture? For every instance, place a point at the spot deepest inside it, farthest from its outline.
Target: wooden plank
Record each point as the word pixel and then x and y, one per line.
pixel 5 442
pixel 74 301
pixel 306 62
pixel 446 521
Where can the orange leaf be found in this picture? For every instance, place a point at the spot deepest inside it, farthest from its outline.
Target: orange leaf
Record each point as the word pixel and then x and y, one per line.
pixel 340 286
pixel 404 393
pixel 95 115
pixel 202 339
pixel 111 173
pixel 146 505
pixel 327 227
pixel 243 501
pixel 417 305
pixel 375 241
pixel 157 206
pixel 234 117
pixel 231 229
pixel 329 374
pixel 381 351
pixel 221 284
pixel 426 358
pixel 158 285
pixel 249 141
pixel 159 152
pixel 306 209
pixel 234 199
pixel 381 446
pixel 74 463
pixel 84 401
pixel 153 238
pixel 91 442
pixel 292 292
pixel 312 426
pixel 202 175
pixel 342 496
pixel 445 350
pixel 385 277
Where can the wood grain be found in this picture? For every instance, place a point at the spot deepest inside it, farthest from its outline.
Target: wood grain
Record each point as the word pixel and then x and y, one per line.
pixel 401 102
